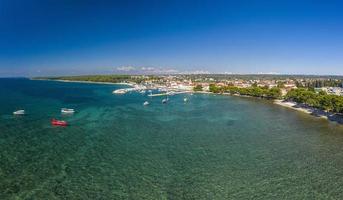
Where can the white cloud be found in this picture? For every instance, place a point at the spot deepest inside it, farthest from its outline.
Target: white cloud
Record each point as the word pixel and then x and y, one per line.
pixel 268 73
pixel 196 72
pixel 126 68
pixel 147 70
pixel 160 70
pixel 172 71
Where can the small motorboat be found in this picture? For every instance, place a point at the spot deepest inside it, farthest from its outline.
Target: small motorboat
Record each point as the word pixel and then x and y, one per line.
pixel 119 91
pixel 146 103
pixel 185 99
pixel 56 122
pixel 19 112
pixel 164 101
pixel 67 110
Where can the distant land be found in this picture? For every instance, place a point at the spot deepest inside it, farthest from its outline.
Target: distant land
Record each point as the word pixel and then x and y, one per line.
pixel 120 77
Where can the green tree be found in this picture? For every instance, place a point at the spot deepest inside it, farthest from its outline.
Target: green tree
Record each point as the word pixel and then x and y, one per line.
pixel 215 89
pixel 274 93
pixel 198 88
pixel 322 92
pixel 326 102
pixel 280 84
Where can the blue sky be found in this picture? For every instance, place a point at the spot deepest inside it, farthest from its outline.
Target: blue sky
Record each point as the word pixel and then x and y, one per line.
pixel 50 37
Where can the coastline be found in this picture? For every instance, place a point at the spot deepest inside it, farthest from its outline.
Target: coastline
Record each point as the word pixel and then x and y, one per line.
pixel 333 117
pixel 225 94
pixel 89 82
pixel 295 106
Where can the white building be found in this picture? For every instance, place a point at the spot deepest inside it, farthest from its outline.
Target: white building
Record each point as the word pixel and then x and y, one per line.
pixel 333 90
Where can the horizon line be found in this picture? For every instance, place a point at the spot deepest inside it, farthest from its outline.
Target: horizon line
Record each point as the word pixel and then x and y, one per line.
pixel 233 74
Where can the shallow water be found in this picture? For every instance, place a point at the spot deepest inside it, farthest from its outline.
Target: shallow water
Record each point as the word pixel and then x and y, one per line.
pixel 212 147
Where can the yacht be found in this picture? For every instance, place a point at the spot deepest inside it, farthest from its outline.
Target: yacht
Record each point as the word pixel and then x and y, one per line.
pixel 146 103
pixel 19 112
pixel 120 91
pixel 67 110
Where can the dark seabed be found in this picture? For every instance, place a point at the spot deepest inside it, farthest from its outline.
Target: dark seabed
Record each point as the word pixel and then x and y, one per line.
pixel 213 147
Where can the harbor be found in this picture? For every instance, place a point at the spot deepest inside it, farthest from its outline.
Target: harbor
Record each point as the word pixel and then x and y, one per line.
pixel 158 89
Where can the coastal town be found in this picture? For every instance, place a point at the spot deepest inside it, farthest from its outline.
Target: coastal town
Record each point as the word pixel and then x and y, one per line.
pixel 202 82
pixel 321 96
pixel 330 85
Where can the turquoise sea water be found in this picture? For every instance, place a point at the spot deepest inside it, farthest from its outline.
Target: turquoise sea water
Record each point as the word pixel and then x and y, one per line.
pixel 213 147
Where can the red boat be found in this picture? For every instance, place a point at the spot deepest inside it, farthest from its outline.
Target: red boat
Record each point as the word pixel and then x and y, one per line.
pixel 56 122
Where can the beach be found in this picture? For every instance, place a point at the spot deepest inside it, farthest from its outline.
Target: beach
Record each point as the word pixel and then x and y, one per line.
pixel 311 111
pixel 333 117
pixel 295 106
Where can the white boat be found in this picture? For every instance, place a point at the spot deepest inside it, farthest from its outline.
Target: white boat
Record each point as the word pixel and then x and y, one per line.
pixel 120 91
pixel 19 112
pixel 67 110
pixel 162 89
pixel 165 100
pixel 146 103
pixel 185 99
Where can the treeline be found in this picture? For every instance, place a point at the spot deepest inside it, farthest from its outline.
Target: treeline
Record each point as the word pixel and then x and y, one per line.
pixel 324 83
pixel 103 78
pixel 319 100
pixel 263 92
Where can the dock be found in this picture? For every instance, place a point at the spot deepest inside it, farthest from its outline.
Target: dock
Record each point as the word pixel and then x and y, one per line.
pixel 157 95
pixel 169 93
